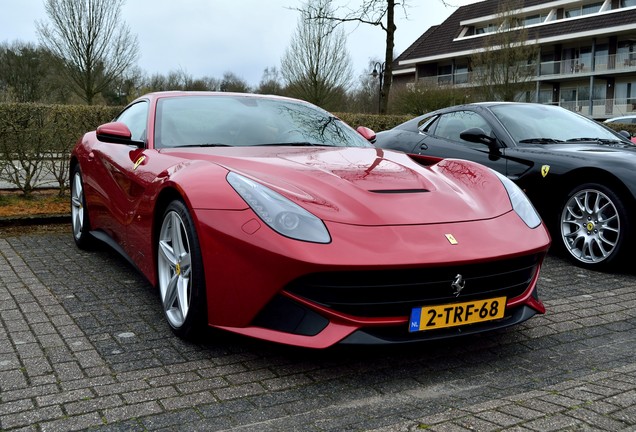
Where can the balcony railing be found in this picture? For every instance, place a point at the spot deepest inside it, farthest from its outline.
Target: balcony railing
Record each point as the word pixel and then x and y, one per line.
pixel 601 108
pixel 602 63
pixel 563 68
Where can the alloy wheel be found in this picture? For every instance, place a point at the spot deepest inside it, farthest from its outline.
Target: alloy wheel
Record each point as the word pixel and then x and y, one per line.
pixel 590 226
pixel 175 269
pixel 77 206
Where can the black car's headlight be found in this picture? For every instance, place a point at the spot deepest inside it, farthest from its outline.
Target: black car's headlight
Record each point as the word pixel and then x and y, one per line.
pixel 279 213
pixel 520 202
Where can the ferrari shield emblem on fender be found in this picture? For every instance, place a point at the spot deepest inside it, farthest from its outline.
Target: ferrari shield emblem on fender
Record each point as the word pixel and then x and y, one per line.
pixel 139 162
pixel 544 170
pixel 451 239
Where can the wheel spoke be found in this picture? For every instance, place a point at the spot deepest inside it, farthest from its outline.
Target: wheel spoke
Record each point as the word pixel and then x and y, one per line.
pixel 183 287
pixel 167 252
pixel 175 235
pixel 186 265
pixel 171 292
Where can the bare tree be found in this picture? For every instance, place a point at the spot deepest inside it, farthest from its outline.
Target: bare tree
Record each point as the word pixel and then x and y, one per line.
pixel 96 46
pixel 316 66
pixel 380 13
pixel 507 63
pixel 23 68
pixel 233 83
pixel 271 82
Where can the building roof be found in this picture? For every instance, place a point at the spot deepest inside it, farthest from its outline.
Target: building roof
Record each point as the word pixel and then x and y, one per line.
pixel 440 41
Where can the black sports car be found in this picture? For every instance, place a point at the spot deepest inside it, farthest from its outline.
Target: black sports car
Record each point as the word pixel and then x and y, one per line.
pixel 579 174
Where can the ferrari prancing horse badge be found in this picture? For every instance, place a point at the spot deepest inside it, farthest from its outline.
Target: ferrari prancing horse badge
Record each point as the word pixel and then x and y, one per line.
pixel 139 162
pixel 544 170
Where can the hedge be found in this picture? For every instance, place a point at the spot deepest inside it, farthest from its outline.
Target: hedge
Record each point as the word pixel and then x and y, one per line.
pixel 36 139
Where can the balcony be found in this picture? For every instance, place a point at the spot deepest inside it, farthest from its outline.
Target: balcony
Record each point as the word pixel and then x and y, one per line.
pixel 615 63
pixel 601 108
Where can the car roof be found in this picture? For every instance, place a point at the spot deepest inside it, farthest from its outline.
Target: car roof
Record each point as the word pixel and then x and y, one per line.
pixel 621 117
pixel 186 93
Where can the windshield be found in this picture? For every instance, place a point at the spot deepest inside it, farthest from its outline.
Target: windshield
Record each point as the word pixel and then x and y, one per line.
pixel 536 123
pixel 242 120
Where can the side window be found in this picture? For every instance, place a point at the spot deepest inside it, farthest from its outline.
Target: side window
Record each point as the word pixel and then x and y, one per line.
pixel 135 117
pixel 451 125
pixel 426 125
pixel 474 120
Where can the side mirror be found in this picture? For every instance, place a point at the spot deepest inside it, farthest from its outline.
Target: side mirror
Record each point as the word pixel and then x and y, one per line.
pixel 477 135
pixel 366 133
pixel 625 134
pixel 116 133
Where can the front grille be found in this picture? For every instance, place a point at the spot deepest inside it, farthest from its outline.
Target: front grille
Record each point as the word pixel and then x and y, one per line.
pixel 390 293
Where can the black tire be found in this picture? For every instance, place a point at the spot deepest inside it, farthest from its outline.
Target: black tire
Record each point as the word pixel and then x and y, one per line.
pixel 80 223
pixel 180 275
pixel 593 226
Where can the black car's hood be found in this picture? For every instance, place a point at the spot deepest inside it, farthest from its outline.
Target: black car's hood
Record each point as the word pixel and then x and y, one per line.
pixel 584 149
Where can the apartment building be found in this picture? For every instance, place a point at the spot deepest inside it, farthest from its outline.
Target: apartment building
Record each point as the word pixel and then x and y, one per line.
pixel 586 60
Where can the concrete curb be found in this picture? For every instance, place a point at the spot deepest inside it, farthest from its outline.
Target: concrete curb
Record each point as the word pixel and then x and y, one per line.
pixel 11 221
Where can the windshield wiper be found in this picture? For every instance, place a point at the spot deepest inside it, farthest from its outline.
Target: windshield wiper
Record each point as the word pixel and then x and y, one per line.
pixel 599 140
pixel 540 141
pixel 205 145
pixel 297 144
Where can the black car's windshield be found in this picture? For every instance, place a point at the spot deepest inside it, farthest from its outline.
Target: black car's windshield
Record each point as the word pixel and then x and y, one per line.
pixel 546 124
pixel 244 120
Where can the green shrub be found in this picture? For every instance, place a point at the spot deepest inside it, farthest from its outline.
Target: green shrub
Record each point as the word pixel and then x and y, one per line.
pixel 631 128
pixel 36 140
pixel 373 121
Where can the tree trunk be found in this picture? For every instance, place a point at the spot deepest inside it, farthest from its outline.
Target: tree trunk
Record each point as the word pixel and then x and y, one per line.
pixel 388 56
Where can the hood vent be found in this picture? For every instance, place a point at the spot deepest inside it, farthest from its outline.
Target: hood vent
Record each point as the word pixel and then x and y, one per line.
pixel 399 191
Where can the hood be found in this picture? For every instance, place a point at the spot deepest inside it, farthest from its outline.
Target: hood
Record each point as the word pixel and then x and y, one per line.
pixel 590 154
pixel 367 186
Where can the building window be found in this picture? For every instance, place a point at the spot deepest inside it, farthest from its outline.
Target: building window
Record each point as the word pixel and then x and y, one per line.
pixel 445 74
pixel 534 19
pixel 540 18
pixel 601 57
pixel 592 8
pixel 545 96
pixel 490 28
pixel 461 74
pixel 584 10
pixel 625 54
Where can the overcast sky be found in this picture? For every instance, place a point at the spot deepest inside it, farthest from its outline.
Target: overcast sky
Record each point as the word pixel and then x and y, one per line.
pixel 211 37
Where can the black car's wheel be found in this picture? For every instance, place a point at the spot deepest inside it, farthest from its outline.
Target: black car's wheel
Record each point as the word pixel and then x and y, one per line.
pixel 79 212
pixel 594 225
pixel 180 272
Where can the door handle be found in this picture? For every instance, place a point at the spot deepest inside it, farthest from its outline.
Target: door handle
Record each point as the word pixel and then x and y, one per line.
pixel 423 146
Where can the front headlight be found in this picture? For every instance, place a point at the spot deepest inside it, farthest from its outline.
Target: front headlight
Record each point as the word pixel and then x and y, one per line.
pixel 279 213
pixel 520 202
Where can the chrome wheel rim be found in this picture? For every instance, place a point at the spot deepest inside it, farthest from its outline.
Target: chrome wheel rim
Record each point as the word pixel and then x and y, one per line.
pixel 174 268
pixel 590 226
pixel 77 205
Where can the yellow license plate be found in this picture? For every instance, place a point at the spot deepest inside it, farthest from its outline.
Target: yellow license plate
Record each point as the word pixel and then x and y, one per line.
pixel 456 314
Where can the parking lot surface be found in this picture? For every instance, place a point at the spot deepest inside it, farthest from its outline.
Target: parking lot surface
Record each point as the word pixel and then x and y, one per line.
pixel 84 346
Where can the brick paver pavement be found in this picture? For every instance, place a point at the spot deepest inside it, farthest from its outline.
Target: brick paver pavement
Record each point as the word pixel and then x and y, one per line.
pixel 83 346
